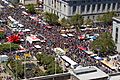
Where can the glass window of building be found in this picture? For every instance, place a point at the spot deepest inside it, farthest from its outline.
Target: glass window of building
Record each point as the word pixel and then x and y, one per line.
pixel 74 9
pixel 74 2
pixel 49 2
pixel 98 7
pixel 118 7
pixel 116 35
pixel 113 6
pixel 93 7
pixel 83 1
pixel 88 8
pixel 109 5
pixel 82 8
pixel 55 3
pixel 104 5
pixel 64 7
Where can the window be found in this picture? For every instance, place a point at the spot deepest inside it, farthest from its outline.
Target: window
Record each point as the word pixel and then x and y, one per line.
pixel 93 7
pixel 118 7
pixel 49 2
pixel 52 1
pixel 55 4
pixel 60 5
pixel 74 2
pixel 88 8
pixel 98 7
pixel 109 6
pixel 116 35
pixel 93 17
pixel 88 17
pixel 114 6
pixel 82 8
pixel 64 7
pixel 83 1
pixel 74 9
pixel 104 5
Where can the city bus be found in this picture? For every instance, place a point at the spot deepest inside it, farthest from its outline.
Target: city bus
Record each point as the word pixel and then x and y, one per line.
pixel 69 61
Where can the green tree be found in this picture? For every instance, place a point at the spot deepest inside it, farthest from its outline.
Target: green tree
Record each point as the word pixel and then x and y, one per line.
pixel 51 18
pixel 107 17
pixel 88 22
pixel 50 62
pixel 77 21
pixel 104 43
pixel 8 46
pixel 2 35
pixel 17 68
pixel 65 23
pixel 31 8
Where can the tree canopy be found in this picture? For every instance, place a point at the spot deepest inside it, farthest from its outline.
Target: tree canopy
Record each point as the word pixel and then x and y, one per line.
pixel 8 46
pixel 51 18
pixel 88 22
pixel 107 17
pixel 77 21
pixel 27 69
pixel 48 62
pixel 31 8
pixel 104 44
pixel 65 23
pixel 2 35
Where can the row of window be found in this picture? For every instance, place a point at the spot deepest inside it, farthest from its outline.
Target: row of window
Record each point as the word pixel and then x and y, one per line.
pixel 92 1
pixel 56 4
pixel 99 7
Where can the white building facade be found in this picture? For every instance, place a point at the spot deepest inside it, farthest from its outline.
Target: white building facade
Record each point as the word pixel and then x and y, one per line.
pixel 25 2
pixel 116 32
pixel 88 8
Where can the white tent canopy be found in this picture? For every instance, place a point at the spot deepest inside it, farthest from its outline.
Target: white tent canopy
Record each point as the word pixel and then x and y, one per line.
pixel 58 50
pixel 89 52
pixel 5 1
pixel 11 6
pixel 24 12
pixel 71 35
pixel 32 39
pixel 3 58
pixel 37 46
pixel 1 6
pixel 9 17
pixel 26 30
pixel 64 35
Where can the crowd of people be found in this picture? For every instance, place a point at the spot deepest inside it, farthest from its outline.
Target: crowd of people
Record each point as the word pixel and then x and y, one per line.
pixel 52 37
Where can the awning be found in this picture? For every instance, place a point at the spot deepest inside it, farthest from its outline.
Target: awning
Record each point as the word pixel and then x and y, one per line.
pixel 98 58
pixel 81 37
pixel 71 35
pixel 89 52
pixel 24 12
pixel 37 46
pixel 81 48
pixel 64 35
pixel 49 27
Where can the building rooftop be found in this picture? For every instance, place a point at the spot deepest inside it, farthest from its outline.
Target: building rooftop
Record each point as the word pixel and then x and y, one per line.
pixel 114 76
pixel 116 18
pixel 88 73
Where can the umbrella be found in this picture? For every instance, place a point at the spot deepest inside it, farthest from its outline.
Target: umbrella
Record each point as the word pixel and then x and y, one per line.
pixel 98 58
pixel 81 48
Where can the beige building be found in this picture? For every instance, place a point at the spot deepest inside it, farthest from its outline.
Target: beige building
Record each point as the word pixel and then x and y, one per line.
pixel 28 2
pixel 88 8
pixel 116 32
